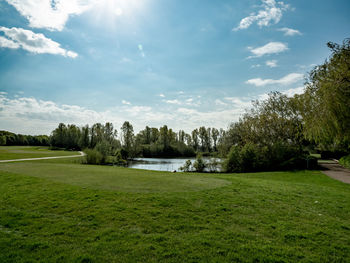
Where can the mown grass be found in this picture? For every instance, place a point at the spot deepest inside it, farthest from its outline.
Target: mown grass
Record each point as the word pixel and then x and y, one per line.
pixel 22 152
pixel 48 216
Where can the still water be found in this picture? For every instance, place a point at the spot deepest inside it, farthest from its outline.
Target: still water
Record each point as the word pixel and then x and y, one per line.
pixel 160 164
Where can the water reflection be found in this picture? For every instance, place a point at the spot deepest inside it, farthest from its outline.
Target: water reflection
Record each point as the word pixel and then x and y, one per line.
pixel 161 164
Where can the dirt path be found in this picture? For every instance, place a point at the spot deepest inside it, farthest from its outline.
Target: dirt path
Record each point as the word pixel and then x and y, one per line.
pixel 336 171
pixel 43 158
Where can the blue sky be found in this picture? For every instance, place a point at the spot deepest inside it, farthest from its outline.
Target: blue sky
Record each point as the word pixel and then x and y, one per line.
pixel 154 62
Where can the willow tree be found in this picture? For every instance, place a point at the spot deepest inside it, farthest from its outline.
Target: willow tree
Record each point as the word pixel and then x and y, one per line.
pixel 326 102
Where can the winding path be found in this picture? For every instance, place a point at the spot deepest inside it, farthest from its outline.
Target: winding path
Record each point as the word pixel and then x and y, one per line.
pixel 336 171
pixel 43 158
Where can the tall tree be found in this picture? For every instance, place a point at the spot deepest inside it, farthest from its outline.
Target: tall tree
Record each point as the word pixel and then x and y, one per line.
pixel 326 102
pixel 202 136
pixel 195 140
pixel 215 136
pixel 127 136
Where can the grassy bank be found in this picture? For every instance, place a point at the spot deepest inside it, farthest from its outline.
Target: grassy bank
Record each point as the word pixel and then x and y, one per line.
pixel 62 211
pixel 21 152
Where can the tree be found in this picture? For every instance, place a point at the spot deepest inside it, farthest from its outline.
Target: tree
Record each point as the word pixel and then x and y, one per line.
pixel 195 140
pixel 202 136
pixel 127 136
pixel 215 136
pixel 164 137
pixel 325 106
pixel 58 136
pixel 2 140
pixel 84 140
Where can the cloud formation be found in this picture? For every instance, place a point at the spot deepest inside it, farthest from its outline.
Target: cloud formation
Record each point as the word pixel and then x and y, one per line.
pixel 271 13
pixel 269 48
pixel 289 31
pixel 286 80
pixel 126 102
pixel 271 63
pixel 28 40
pixel 33 116
pixel 49 14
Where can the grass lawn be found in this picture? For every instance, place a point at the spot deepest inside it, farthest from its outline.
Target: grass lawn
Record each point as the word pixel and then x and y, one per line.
pixel 21 152
pixel 62 211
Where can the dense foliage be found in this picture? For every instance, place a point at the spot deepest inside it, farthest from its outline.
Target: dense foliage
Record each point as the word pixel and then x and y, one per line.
pixel 150 142
pixel 345 161
pixel 325 105
pixel 10 139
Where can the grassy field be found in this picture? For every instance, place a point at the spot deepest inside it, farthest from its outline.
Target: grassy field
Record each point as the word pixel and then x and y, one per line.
pixel 62 211
pixel 21 152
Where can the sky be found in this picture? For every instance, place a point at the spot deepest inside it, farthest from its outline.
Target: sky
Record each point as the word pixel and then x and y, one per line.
pixel 181 63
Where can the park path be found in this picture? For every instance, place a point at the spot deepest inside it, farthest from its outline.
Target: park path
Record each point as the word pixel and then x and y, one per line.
pixel 336 171
pixel 43 158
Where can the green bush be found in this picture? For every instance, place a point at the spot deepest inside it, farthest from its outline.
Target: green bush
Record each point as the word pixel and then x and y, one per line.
pixel 118 159
pixel 213 165
pixel 199 164
pixel 93 156
pixel 252 158
pixel 187 167
pixel 232 163
pixel 345 161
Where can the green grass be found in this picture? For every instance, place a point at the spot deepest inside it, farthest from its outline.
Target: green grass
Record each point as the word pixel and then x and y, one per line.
pixel 62 211
pixel 21 152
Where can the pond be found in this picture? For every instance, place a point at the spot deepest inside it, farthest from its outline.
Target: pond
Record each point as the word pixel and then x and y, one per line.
pixel 161 164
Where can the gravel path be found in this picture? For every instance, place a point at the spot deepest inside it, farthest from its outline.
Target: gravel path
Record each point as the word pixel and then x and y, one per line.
pixel 43 158
pixel 336 171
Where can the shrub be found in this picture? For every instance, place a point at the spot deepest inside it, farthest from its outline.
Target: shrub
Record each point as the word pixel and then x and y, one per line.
pixel 199 164
pixel 3 140
pixel 104 148
pixel 187 167
pixel 213 165
pixel 252 157
pixel 233 162
pixel 249 158
pixel 93 156
pixel 345 161
pixel 118 159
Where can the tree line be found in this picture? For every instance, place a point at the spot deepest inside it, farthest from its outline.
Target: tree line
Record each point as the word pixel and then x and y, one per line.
pixel 10 139
pixel 149 142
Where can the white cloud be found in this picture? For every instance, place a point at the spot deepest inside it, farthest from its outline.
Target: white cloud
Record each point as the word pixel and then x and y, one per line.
pixel 49 14
pixel 184 101
pixel 286 80
pixel 289 31
pixel 32 42
pixel 292 92
pixel 32 116
pixel 256 66
pixel 220 102
pixel 126 102
pixel 7 43
pixel 270 14
pixel 173 102
pixel 269 48
pixel 271 63
pixel 239 102
pixel 162 95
